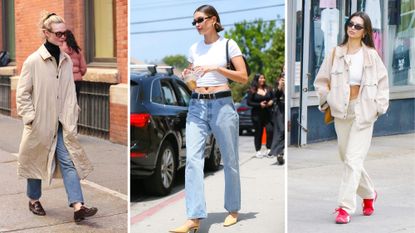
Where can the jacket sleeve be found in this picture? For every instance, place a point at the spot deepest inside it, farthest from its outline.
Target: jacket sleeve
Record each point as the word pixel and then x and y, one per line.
pixel 382 94
pixel 322 81
pixel 82 64
pixel 24 102
pixel 250 101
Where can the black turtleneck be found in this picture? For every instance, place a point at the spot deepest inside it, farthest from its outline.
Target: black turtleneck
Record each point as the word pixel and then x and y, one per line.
pixel 54 50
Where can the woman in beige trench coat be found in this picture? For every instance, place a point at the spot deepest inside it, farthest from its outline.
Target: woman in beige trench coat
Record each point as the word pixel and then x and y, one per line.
pixel 46 101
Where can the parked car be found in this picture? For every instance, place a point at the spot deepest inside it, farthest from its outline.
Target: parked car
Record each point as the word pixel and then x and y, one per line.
pixel 159 106
pixel 244 112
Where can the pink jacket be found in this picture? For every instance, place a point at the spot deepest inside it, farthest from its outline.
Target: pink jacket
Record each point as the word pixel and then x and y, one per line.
pixel 78 60
pixel 373 99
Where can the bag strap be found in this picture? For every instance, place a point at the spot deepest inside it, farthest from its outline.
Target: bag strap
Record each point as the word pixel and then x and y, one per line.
pixel 228 62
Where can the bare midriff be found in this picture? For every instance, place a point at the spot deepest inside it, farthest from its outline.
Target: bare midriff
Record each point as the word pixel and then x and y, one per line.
pixel 354 91
pixel 212 89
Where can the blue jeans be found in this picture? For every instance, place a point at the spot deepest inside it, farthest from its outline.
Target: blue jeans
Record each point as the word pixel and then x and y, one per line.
pixel 217 116
pixel 70 176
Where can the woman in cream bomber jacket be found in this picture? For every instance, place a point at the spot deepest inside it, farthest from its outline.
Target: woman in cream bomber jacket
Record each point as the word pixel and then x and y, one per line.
pixel 332 86
pixel 353 82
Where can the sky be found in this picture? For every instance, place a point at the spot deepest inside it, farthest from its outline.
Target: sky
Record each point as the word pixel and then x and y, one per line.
pixel 151 47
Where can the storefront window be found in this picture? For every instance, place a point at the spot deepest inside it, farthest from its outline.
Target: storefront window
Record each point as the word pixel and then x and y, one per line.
pixel 325 33
pixel 8 28
pixel 401 32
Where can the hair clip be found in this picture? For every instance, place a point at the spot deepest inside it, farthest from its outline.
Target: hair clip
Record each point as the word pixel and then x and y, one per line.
pixel 49 15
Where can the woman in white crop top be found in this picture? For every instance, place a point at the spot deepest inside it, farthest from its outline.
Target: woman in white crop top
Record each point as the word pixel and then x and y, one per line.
pixel 211 110
pixel 353 82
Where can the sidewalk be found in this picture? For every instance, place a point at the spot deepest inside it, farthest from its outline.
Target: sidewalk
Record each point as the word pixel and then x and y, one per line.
pixel 263 200
pixel 314 175
pixel 106 188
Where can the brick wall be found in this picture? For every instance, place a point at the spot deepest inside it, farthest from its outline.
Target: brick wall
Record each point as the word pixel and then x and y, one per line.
pixel 28 36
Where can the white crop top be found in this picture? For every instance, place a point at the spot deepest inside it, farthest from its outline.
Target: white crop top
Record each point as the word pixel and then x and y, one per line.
pixel 355 62
pixel 201 54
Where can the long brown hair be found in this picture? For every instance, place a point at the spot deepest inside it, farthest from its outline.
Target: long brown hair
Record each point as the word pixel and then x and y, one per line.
pixel 367 27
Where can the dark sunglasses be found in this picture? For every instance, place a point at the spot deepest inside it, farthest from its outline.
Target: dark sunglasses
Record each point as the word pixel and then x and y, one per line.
pixel 355 26
pixel 200 20
pixel 59 34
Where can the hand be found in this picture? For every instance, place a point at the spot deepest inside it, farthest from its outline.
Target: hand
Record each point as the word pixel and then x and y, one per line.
pixel 263 104
pixel 270 103
pixel 281 84
pixel 185 72
pixel 204 69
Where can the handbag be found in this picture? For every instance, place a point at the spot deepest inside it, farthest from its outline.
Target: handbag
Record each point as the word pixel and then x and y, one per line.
pixel 229 64
pixel 328 118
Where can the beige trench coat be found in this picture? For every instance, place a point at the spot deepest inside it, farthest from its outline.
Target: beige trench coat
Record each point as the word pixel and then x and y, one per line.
pixel 45 96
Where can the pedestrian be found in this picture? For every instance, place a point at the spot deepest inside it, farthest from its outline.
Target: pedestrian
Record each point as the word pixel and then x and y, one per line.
pixel 46 101
pixel 71 47
pixel 353 83
pixel 211 110
pixel 260 98
pixel 278 111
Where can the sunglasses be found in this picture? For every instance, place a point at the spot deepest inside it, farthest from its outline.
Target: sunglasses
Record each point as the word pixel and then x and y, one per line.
pixel 355 26
pixel 59 34
pixel 200 20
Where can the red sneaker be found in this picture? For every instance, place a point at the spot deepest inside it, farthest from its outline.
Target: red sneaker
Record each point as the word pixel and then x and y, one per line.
pixel 343 217
pixel 368 205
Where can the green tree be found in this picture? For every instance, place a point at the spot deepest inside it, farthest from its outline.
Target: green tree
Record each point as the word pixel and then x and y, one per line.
pixel 178 61
pixel 263 44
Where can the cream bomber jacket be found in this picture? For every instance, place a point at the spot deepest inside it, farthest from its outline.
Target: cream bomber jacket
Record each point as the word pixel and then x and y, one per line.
pixel 373 99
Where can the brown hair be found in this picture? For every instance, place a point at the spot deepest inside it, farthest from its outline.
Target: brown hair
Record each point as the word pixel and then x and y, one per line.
pixel 367 27
pixel 210 11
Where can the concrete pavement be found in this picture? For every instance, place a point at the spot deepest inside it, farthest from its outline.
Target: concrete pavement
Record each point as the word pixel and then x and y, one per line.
pixel 314 174
pixel 263 200
pixel 106 188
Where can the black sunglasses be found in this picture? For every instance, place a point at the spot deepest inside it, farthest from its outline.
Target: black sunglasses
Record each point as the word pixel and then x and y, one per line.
pixel 356 26
pixel 59 34
pixel 200 20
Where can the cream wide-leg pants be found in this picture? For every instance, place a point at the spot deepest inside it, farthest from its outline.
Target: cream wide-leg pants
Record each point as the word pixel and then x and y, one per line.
pixel 353 146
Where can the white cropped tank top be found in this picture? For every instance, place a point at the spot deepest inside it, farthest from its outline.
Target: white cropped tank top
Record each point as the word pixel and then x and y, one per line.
pixel 355 62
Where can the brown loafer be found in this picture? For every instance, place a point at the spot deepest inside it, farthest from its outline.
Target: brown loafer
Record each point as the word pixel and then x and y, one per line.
pixel 37 208
pixel 84 212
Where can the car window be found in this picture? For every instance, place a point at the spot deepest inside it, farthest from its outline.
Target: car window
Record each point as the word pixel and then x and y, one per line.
pixel 184 96
pixel 156 96
pixel 168 93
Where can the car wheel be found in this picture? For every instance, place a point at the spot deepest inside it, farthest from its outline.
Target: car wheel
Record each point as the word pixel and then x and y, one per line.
pixel 161 182
pixel 212 163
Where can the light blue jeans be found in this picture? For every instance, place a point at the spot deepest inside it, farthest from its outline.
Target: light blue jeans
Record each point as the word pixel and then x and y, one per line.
pixel 217 116
pixel 70 176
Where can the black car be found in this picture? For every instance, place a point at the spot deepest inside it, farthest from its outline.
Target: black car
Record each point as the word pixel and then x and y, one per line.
pixel 159 104
pixel 244 112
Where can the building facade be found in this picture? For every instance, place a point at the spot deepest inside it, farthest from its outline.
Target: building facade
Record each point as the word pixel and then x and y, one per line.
pixel 317 27
pixel 101 29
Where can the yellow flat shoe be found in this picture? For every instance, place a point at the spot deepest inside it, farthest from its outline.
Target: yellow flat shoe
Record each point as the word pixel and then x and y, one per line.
pixel 185 229
pixel 230 220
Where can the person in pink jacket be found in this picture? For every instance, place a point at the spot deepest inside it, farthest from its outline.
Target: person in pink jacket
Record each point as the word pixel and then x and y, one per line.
pixel 70 46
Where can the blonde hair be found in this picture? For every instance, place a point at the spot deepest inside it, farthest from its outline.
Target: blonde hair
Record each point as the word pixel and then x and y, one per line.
pixel 46 20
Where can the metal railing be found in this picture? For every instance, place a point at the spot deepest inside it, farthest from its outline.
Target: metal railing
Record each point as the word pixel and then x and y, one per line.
pixel 94 118
pixel 5 107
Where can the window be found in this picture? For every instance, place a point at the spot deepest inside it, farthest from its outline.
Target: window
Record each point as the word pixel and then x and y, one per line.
pixel 184 96
pixel 100 31
pixel 8 29
pixel 168 94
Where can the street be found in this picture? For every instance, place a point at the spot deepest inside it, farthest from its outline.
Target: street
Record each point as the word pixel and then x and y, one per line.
pixel 106 188
pixel 314 174
pixel 263 198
